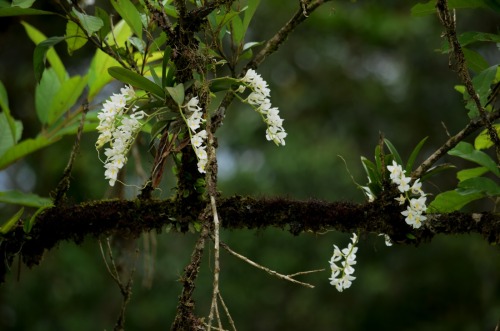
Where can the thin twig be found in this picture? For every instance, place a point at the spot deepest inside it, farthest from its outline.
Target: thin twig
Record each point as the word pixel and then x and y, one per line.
pixel 94 39
pixel 472 126
pixel 216 263
pixel 125 289
pixel 231 322
pixel 270 47
pixel 300 273
pixel 217 314
pixel 258 266
pixel 185 309
pixel 64 182
pixel 114 275
pixel 449 23
pixel 303 3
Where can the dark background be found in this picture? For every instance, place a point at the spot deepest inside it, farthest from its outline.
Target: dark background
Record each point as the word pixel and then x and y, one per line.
pixel 352 70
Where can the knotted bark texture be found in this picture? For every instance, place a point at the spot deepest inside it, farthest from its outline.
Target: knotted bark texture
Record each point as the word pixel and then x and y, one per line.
pixel 131 218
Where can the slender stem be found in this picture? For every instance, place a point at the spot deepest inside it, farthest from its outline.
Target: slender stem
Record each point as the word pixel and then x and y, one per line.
pixel 215 292
pixel 472 126
pixel 269 271
pixel 449 23
pixel 64 182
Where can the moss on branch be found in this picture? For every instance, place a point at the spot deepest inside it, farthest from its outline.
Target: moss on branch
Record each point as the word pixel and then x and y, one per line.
pixel 131 218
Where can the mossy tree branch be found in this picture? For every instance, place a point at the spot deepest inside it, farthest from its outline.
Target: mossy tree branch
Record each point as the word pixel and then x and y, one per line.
pixel 131 218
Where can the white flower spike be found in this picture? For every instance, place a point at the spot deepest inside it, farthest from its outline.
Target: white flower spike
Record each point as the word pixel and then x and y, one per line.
pixel 198 139
pixel 119 130
pixel 259 99
pixel 413 195
pixel 342 275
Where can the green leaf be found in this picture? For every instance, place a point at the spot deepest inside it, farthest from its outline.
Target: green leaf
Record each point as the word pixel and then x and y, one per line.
pixel 482 82
pixel 237 30
pixel 88 126
pixel 378 159
pixel 75 37
pixel 460 89
pixel 7 137
pixel 167 75
pixel 158 128
pixel 421 9
pixel 65 97
pixel 483 140
pixel 470 37
pixel 98 72
pixel 466 151
pixel 139 44
pixel 375 189
pixel 246 55
pixel 171 11
pixel 222 18
pixel 29 225
pixel 428 8
pixel 474 60
pixel 371 170
pixel 4 99
pixel 177 93
pixel 22 3
pixel 7 226
pixel 471 173
pixel 450 201
pixel 436 170
pixel 91 24
pixel 414 154
pixel 393 151
pixel 154 75
pixel 18 11
pixel 54 60
pixel 39 55
pixel 249 12
pixel 129 77
pixel 158 44
pixel 4 104
pixel 478 185
pixel 45 92
pixel 22 149
pixel 101 62
pixel 130 14
pixel 106 28
pixel 24 199
pixel 223 84
pixel 250 45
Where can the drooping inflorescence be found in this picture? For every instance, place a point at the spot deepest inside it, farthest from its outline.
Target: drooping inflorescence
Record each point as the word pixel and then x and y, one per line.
pixel 413 195
pixel 342 274
pixel 259 100
pixel 119 130
pixel 194 121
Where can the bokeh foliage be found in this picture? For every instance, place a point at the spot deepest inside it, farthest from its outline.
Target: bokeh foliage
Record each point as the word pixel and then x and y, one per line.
pixel 352 70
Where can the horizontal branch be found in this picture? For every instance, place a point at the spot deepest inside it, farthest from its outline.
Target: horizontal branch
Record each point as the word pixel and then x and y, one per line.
pixel 131 218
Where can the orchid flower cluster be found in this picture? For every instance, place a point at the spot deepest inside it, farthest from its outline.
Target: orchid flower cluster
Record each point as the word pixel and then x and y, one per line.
pixel 197 138
pixel 342 275
pixel 413 195
pixel 119 130
pixel 259 100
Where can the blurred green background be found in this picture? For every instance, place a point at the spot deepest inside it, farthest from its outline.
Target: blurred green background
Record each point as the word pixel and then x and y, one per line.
pixel 351 70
